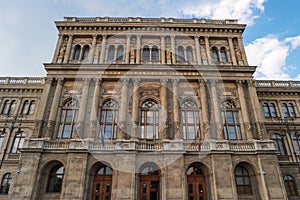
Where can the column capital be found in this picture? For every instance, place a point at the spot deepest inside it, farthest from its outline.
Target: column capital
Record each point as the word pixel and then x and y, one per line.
pixel 60 81
pixel 202 82
pixel 125 80
pixel 70 35
pixel 86 81
pixel 137 81
pixel 95 35
pixel 104 36
pixel 128 35
pixel 162 37
pixel 97 80
pixel 196 37
pixel 164 81
pixel 175 82
pixel 239 82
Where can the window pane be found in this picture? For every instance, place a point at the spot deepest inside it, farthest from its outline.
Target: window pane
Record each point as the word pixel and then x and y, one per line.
pixel 273 110
pixel 66 132
pixel 229 116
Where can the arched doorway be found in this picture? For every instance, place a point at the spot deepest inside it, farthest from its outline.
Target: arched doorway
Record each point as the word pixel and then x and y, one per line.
pixel 196 185
pixel 102 184
pixel 149 182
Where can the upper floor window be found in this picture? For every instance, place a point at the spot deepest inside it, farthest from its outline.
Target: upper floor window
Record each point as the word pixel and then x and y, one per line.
pixel 120 52
pixel 28 107
pixel 190 120
pixel 1 139
pixel 150 120
pixel 105 170
pixel 86 50
pixel 180 54
pixel 5 184
pixel 77 50
pixel 111 53
pixel 146 53
pixel 270 110
pixel 68 119
pixel 18 142
pixel 55 178
pixel 154 54
pixel 109 119
pixel 242 180
pixel 290 185
pixel 189 54
pixel 288 110
pixel 279 143
pixel 9 107
pixel 223 54
pixel 230 117
pixel 214 54
pixel 296 141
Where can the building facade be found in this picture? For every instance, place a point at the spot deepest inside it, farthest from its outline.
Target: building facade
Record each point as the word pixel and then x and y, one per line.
pixel 149 109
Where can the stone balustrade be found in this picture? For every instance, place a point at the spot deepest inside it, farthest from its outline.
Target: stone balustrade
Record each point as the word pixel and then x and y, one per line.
pixel 168 145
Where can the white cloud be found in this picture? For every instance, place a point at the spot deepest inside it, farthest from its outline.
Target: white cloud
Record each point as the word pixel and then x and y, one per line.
pixel 269 54
pixel 243 10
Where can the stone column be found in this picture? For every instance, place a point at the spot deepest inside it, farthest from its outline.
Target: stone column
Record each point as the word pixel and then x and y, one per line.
pixel 257 111
pixel 58 46
pixel 54 108
pixel 216 111
pixel 138 49
pixel 103 48
pixel 123 110
pixel 173 49
pixel 206 40
pixel 94 109
pixel 82 109
pixel 163 49
pixel 204 109
pixel 135 108
pixel 242 49
pixel 127 50
pixel 93 48
pixel 68 50
pixel 163 124
pixel 39 119
pixel 244 110
pixel 176 111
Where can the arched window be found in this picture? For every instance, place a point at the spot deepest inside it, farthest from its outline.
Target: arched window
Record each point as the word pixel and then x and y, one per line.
pixel 154 54
pixel 150 120
pixel 68 119
pixel 290 185
pixel 55 178
pixel 230 118
pixel 120 52
pixel 273 110
pixel 242 180
pixel 85 52
pixel 146 53
pixel 111 53
pixel 6 108
pixel 291 110
pixel 109 119
pixel 12 107
pixel 223 54
pixel 214 54
pixel 5 184
pixel 279 143
pixel 1 139
pixel 18 142
pixel 190 120
pixel 189 54
pixel 296 140
pixel 102 183
pixel 77 50
pixel 31 107
pixel 180 55
pixel 25 107
pixel 285 110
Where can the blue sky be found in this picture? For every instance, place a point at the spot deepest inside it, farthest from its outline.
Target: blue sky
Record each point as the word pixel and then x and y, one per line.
pixel 272 38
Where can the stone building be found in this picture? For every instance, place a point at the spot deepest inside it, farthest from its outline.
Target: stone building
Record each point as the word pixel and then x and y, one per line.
pixel 149 109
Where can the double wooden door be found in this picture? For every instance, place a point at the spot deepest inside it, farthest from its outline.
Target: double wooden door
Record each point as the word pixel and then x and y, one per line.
pixel 196 188
pixel 102 187
pixel 149 187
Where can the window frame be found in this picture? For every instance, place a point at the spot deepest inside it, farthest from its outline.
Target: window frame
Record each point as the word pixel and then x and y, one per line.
pixel 18 142
pixel 244 188
pixel 223 53
pixel 6 179
pixel 109 106
pixel 52 185
pixel 189 125
pixel 290 186
pixel 279 144
pixel 149 108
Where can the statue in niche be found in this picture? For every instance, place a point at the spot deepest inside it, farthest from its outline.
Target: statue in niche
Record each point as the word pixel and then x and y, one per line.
pixel 203 53
pixel 62 51
pixel 238 54
pixel 132 53
pixel 168 55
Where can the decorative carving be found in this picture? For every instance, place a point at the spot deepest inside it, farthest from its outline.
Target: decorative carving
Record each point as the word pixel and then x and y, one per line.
pixel 150 92
pixel 238 54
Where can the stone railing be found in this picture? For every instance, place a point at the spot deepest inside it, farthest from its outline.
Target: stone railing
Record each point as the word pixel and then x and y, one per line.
pixel 21 80
pixel 148 20
pixel 168 145
pixel 282 84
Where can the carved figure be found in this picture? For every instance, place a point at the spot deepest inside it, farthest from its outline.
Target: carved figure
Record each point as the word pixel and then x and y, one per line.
pixel 238 54
pixel 62 51
pixel 168 55
pixel 132 53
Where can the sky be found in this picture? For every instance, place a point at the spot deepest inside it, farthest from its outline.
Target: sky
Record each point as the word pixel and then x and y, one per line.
pixel 28 34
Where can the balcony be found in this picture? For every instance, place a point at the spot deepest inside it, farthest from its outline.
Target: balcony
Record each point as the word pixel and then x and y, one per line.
pixel 38 144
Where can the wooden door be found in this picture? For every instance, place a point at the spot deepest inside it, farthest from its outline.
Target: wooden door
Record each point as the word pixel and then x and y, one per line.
pixel 102 185
pixel 149 186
